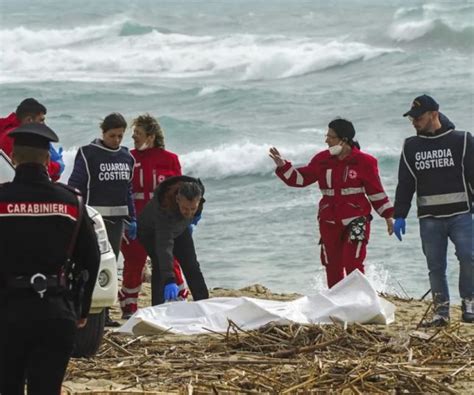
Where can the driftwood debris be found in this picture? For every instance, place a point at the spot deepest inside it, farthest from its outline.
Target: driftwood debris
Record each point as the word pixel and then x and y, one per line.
pixel 345 359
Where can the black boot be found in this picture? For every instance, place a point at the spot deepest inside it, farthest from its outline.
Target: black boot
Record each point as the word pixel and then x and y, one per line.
pixel 109 321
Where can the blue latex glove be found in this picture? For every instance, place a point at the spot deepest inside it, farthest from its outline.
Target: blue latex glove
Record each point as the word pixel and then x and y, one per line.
pixel 196 219
pixel 399 227
pixel 193 224
pixel 57 156
pixel 132 230
pixel 171 291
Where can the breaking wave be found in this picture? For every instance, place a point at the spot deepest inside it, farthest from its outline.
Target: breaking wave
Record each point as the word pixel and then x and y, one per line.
pixel 433 30
pixel 125 49
pixel 246 159
pixel 446 24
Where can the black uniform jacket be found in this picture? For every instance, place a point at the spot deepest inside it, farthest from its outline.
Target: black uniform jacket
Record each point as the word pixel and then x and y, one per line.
pixel 440 168
pixel 37 221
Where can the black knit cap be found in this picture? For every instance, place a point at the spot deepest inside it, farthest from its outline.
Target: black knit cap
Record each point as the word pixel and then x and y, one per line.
pixel 36 135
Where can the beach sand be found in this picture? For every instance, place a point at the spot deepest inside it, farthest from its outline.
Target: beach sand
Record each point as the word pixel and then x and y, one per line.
pixel 213 363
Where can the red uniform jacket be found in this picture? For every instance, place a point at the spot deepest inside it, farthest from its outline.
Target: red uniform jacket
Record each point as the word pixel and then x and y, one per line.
pixel 349 186
pixel 152 166
pixel 6 142
pixel 9 123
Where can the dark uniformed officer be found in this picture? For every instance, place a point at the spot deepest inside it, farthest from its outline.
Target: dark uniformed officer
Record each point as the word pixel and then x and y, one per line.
pixel 41 224
pixel 438 164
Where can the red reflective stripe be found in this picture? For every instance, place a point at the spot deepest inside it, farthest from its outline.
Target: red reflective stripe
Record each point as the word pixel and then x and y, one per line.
pixel 38 209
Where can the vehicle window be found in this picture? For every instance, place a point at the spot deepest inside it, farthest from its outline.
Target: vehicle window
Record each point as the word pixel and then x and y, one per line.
pixel 7 171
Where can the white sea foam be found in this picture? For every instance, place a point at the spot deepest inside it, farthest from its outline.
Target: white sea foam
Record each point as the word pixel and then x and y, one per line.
pixel 409 31
pixel 433 29
pixel 308 57
pixel 101 52
pixel 242 159
pixel 222 161
pixel 234 160
pixel 448 11
pixel 377 275
pixel 33 41
pixel 209 90
pixel 440 21
pixel 404 11
pixel 238 159
pixel 441 8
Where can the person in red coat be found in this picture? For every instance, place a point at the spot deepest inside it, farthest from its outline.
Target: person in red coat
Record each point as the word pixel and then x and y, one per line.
pixel 29 111
pixel 350 186
pixel 153 164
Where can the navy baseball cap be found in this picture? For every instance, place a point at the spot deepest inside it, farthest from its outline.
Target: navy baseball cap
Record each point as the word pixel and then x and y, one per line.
pixel 420 105
pixel 36 135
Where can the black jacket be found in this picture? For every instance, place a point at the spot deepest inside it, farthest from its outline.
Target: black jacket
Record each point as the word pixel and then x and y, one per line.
pixel 161 216
pixel 37 220
pixel 440 168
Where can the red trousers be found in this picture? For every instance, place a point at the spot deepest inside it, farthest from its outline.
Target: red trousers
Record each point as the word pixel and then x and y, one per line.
pixel 134 261
pixel 339 255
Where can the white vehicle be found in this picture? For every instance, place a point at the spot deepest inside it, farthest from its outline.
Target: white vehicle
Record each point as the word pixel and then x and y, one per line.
pixel 88 339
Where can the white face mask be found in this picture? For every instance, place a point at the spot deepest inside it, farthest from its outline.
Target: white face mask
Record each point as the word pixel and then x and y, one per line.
pixel 335 149
pixel 143 147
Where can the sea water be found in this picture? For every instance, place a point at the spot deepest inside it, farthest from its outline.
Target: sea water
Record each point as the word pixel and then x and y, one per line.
pixel 227 80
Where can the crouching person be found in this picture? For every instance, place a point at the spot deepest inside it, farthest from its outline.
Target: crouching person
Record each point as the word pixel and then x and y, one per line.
pixel 163 229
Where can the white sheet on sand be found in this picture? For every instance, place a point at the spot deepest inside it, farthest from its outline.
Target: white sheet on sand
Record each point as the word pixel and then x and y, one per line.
pixel 351 300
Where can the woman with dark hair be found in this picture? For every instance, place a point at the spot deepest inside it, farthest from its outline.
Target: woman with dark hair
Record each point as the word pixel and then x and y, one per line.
pixel 103 173
pixel 350 184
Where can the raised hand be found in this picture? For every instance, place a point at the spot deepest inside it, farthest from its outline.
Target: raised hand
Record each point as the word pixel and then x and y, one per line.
pixel 275 155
